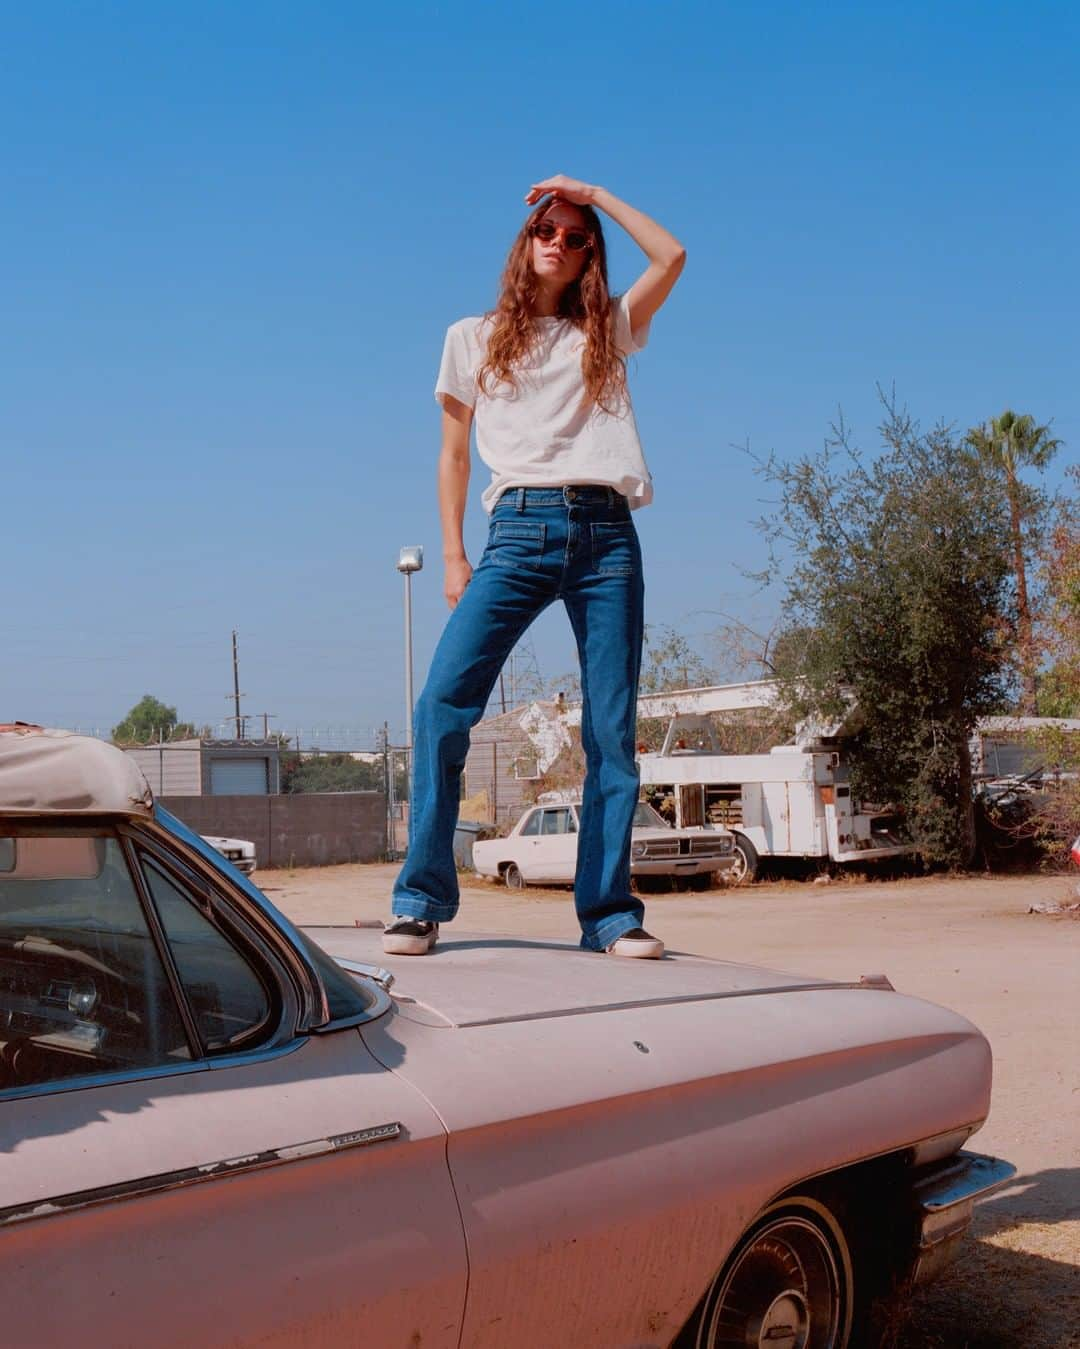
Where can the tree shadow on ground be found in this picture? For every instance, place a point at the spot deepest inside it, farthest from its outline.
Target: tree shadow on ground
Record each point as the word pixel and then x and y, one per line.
pixel 1016 1284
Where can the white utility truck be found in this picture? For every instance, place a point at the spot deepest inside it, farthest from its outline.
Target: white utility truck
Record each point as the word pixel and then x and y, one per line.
pixel 796 801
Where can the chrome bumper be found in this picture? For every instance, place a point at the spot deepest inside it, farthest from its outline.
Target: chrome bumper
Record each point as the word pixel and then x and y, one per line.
pixel 680 866
pixel 945 1198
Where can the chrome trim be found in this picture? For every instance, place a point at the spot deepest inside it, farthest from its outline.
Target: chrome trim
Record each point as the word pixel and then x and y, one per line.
pixel 963 1178
pixel 882 982
pixel 381 1004
pixel 241 1059
pixel 382 977
pixel 195 1175
pixel 945 1201
pixel 820 986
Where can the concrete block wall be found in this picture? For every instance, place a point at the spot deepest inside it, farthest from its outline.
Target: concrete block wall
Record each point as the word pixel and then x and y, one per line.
pixel 304 830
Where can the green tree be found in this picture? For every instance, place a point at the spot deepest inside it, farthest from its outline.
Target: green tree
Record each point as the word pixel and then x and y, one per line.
pixel 1058 694
pixel 1058 819
pixel 1007 444
pixel 338 773
pixel 898 598
pixel 1059 687
pixel 150 721
pixel 328 773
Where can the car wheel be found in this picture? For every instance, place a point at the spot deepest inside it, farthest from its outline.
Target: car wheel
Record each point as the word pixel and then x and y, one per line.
pixel 745 866
pixel 513 877
pixel 788 1284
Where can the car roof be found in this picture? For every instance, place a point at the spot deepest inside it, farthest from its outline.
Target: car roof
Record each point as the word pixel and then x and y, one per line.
pixel 52 772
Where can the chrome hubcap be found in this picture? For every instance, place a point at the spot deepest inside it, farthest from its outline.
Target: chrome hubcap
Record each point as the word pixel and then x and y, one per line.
pixel 783 1291
pixel 785 1325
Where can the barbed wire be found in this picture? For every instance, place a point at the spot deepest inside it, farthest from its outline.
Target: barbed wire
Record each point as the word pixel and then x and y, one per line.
pixel 328 737
pixel 322 737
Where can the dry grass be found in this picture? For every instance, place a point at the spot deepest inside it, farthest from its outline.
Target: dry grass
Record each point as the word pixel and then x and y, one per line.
pixel 1017 1286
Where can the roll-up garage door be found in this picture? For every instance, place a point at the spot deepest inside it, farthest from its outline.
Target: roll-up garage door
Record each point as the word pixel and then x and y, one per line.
pixel 238 777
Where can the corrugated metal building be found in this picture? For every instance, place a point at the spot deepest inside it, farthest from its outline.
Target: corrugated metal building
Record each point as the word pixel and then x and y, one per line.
pixel 508 755
pixel 211 767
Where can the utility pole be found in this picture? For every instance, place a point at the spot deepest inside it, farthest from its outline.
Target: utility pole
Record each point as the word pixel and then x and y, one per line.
pixel 236 687
pixel 267 717
pixel 388 779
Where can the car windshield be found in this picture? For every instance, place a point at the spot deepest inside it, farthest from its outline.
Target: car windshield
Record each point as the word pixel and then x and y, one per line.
pixel 647 818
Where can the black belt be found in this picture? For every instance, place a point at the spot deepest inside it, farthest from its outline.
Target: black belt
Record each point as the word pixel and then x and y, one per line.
pixel 585 494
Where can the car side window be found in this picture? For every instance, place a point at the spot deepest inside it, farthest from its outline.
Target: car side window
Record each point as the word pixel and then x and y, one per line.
pixel 532 824
pixel 83 989
pixel 559 821
pixel 229 1001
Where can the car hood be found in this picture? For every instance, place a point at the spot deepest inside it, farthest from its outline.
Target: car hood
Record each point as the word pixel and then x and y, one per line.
pixel 473 979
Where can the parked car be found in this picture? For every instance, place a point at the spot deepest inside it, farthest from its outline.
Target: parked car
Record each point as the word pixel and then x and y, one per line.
pixel 239 851
pixel 542 847
pixel 219 1130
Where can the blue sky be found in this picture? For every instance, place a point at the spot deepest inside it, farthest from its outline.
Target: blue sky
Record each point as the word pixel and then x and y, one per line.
pixel 233 236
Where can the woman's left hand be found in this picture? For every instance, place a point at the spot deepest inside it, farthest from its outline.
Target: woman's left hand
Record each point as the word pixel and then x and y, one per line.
pixel 566 189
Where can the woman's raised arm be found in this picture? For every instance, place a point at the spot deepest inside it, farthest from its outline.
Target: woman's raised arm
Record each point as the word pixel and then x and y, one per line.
pixel 666 255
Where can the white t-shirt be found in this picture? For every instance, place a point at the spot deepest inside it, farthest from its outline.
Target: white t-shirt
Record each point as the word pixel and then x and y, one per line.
pixel 542 433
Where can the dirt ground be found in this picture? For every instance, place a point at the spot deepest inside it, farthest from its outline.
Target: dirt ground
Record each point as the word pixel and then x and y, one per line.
pixel 969 943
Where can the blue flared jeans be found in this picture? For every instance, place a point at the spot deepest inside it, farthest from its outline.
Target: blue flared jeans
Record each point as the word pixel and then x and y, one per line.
pixel 577 544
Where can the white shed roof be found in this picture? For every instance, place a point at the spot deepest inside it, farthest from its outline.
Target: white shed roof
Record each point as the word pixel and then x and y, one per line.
pixel 46 772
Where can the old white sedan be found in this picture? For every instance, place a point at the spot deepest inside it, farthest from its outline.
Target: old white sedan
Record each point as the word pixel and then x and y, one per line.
pixel 217 1130
pixel 542 847
pixel 239 851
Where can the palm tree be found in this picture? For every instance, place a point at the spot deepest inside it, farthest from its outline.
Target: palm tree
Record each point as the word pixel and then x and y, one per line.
pixel 1011 442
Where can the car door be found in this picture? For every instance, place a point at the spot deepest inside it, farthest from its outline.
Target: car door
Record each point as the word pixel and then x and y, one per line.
pixel 557 845
pixel 528 847
pixel 176 1167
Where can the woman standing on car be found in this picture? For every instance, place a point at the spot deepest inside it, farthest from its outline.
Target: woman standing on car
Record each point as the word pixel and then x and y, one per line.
pixel 544 377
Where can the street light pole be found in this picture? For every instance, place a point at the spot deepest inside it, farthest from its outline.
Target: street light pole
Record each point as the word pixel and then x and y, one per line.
pixel 408 660
pixel 410 560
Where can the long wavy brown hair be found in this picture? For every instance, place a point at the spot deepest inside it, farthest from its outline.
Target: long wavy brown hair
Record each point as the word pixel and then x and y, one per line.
pixel 586 302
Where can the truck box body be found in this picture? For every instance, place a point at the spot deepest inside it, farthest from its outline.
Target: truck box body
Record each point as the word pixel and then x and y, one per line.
pixel 788 803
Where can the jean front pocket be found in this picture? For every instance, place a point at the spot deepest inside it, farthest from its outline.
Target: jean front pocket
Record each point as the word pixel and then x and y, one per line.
pixel 517 543
pixel 615 548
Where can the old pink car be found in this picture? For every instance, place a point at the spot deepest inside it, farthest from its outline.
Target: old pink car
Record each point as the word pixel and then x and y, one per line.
pixel 216 1130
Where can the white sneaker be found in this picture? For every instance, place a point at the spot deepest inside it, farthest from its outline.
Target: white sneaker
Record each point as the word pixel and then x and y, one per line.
pixel 409 937
pixel 637 944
